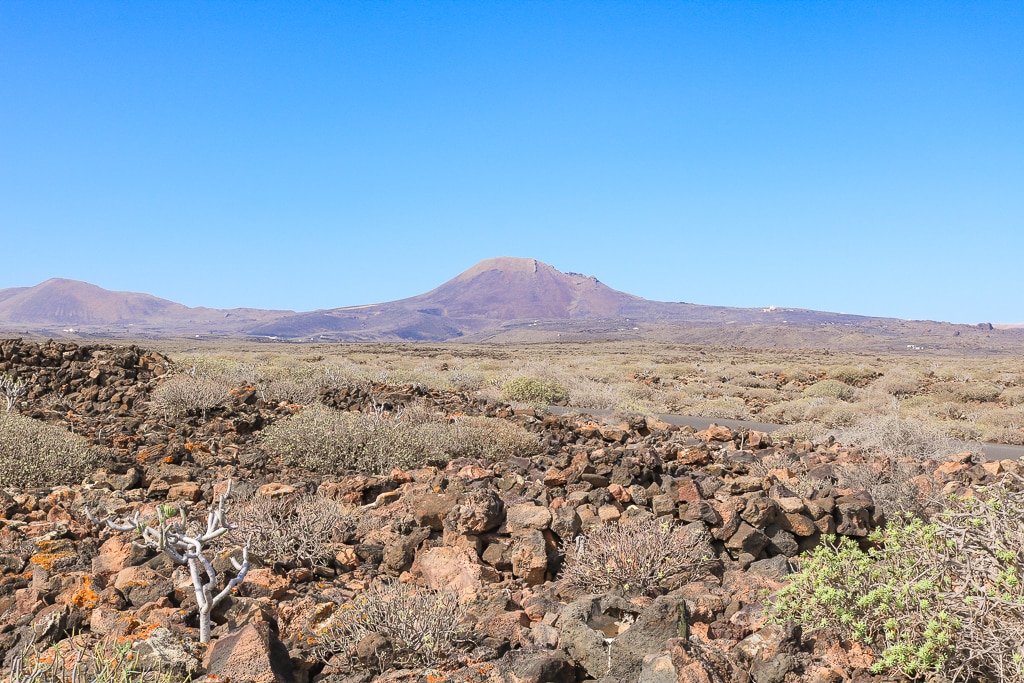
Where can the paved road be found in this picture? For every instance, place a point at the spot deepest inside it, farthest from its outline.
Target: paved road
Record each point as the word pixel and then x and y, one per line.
pixel 992 451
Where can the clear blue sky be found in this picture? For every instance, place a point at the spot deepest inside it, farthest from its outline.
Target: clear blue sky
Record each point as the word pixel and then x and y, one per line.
pixel 864 157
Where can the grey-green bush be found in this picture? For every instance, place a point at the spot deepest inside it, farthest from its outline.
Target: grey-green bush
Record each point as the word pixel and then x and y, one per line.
pixel 33 453
pixel 939 600
pixel 189 395
pixel 535 390
pixel 417 627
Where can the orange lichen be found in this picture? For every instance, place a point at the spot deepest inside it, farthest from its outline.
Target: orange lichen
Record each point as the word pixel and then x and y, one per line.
pixel 86 598
pixel 49 560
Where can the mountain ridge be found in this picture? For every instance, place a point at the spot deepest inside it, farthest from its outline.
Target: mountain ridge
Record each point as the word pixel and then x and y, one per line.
pixel 498 300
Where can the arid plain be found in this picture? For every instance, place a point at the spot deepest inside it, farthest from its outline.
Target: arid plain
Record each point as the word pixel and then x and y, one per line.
pixel 396 511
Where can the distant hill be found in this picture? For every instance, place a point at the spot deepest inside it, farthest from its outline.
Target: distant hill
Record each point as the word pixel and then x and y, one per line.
pixel 504 300
pixel 58 305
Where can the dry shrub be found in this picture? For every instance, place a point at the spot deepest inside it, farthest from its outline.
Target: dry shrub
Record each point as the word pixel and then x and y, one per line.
pixel 295 530
pixel 1012 396
pixel 724 407
pixel 33 453
pixel 800 483
pixel 832 413
pixel 416 627
pixel 754 381
pixel 788 412
pixel 941 600
pixel 491 438
pixel 899 382
pixel 967 392
pixel 638 556
pixel 801 431
pixel 326 440
pixel 898 438
pixel 187 394
pixel 586 392
pixel 890 483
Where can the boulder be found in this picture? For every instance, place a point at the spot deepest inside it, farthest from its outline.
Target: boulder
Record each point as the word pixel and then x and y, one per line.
pixel 527 516
pixel 476 512
pixel 529 555
pixel 610 636
pixel 252 654
pixel 532 666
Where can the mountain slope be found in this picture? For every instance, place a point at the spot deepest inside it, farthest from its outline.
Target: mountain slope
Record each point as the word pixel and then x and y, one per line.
pixel 59 304
pixel 495 291
pixel 70 302
pixel 505 300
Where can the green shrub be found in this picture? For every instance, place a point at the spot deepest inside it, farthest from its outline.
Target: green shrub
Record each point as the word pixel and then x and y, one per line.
pixel 937 599
pixel 416 626
pixel 855 376
pixel 830 388
pixel 635 556
pixel 535 390
pixel 33 453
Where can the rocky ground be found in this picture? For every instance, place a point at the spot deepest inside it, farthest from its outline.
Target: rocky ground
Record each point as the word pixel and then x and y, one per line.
pixel 492 531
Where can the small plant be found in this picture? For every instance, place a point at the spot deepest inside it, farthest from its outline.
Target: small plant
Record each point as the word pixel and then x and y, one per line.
pixel 171 536
pixel 33 453
pixel 292 530
pixel 940 599
pixel 189 394
pixel 637 556
pixel 534 390
pixel 71 661
pixel 12 389
pixel 830 388
pixel 416 626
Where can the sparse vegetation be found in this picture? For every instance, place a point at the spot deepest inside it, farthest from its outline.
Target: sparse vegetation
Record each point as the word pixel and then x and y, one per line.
pixel 963 398
pixel 404 625
pixel 636 556
pixel 941 599
pixel 326 440
pixel 73 661
pixel 33 453
pixel 294 530
pixel 535 390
